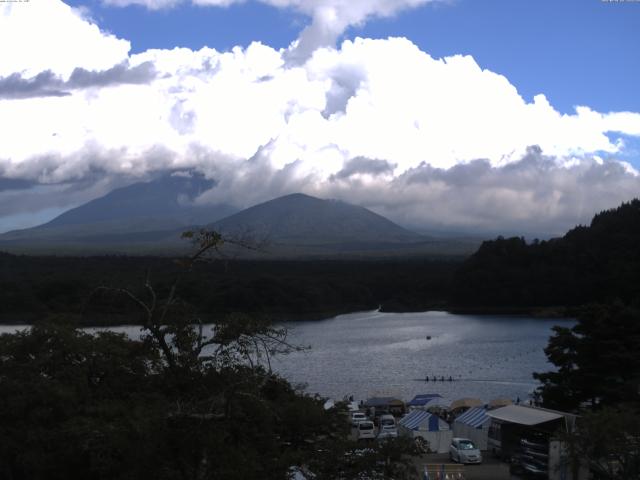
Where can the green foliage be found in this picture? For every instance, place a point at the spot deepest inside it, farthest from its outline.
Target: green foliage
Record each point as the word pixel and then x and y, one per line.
pixel 75 405
pixel 345 459
pixel 609 441
pixel 599 263
pixel 598 361
pixel 183 402
pixel 296 289
pixel 72 402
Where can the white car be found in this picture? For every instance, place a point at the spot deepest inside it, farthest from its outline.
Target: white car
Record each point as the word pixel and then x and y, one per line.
pixel 387 421
pixel 357 417
pixel 366 429
pixel 387 431
pixel 463 450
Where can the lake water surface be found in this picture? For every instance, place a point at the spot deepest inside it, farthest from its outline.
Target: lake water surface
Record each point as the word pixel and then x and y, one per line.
pixel 372 353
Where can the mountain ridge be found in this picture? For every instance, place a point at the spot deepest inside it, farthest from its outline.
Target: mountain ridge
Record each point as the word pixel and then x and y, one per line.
pixel 298 218
pixel 149 218
pixel 161 205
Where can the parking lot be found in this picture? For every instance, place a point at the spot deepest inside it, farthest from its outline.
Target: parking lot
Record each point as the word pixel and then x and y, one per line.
pixel 490 469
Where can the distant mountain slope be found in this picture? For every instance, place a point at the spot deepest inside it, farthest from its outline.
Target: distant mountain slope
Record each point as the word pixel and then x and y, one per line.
pixel 167 197
pixel 599 262
pixel 133 214
pixel 148 218
pixel 304 220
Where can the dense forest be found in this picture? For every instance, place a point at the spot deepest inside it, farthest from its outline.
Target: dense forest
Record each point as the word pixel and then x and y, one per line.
pixel 595 263
pixel 104 406
pixel 33 287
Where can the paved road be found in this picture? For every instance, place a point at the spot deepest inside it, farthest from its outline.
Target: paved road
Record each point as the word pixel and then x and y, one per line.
pixel 490 469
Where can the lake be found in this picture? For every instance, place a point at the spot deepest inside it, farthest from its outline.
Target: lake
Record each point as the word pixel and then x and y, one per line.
pixel 373 353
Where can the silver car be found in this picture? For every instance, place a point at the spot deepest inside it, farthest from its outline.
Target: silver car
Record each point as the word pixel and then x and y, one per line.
pixel 463 450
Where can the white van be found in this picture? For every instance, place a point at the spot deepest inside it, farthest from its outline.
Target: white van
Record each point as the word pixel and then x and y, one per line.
pixel 366 430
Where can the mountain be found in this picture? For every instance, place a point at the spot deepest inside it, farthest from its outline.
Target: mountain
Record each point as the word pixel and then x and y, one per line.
pixel 299 225
pixel 139 214
pixel 595 263
pixel 299 219
pixel 149 218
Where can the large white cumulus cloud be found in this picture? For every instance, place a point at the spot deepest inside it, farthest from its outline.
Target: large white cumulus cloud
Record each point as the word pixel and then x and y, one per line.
pixel 50 35
pixel 359 121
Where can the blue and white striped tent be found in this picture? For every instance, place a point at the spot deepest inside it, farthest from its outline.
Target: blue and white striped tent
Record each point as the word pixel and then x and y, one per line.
pixel 475 417
pixel 420 420
pixel 474 425
pixel 420 423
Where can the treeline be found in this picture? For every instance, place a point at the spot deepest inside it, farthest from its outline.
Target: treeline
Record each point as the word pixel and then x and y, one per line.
pixel 33 287
pixel 183 402
pixel 599 263
pixel 595 263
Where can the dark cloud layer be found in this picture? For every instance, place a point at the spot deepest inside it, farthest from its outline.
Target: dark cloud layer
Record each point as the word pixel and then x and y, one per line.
pixel 538 195
pixel 362 165
pixel 47 84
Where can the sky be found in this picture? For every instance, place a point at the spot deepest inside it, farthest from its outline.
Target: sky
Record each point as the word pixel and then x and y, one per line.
pixel 460 115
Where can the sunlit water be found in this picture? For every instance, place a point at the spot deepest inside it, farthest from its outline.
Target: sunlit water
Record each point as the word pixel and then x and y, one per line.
pixel 371 353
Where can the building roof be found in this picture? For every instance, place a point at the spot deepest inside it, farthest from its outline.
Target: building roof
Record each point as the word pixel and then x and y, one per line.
pixel 383 402
pixel 466 402
pixel 523 415
pixel 422 399
pixel 475 417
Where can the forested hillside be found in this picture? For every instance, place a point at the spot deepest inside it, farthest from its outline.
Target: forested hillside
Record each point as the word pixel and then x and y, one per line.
pixel 595 263
pixel 33 287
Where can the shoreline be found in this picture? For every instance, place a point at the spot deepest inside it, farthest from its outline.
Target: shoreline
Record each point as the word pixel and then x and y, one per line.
pixel 104 320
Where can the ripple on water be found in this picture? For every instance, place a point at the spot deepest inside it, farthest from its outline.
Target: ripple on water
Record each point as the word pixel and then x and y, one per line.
pixel 367 353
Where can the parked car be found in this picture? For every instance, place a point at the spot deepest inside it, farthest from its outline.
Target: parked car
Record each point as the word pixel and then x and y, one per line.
pixel 387 420
pixel 366 429
pixel 387 431
pixel 357 417
pixel 463 450
pixel 527 466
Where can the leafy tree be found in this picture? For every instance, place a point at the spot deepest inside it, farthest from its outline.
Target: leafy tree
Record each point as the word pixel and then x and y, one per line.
pixel 184 402
pixel 73 402
pixel 595 263
pixel 609 441
pixel 597 360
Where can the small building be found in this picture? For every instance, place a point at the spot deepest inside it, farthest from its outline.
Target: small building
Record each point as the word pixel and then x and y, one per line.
pixel 425 400
pixel 474 425
pixel 381 405
pixel 463 404
pixel 419 423
pixel 529 437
